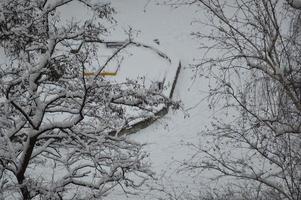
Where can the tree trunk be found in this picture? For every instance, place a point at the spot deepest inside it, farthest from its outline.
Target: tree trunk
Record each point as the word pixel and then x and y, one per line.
pixel 23 166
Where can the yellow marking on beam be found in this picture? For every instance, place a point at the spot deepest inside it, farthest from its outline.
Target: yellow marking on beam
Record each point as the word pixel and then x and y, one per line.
pixel 100 74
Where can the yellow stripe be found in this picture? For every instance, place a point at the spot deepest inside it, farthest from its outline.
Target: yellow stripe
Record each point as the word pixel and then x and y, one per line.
pixel 101 74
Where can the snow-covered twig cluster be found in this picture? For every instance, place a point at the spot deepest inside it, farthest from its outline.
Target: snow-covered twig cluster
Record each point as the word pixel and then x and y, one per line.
pixel 255 82
pixel 54 117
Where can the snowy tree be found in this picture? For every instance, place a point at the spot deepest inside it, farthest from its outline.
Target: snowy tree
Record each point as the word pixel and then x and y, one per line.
pixel 255 80
pixel 55 121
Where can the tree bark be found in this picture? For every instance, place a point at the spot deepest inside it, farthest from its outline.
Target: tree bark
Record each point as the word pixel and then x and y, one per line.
pixel 23 166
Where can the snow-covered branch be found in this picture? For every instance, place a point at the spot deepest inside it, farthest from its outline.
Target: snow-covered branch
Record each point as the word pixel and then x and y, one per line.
pixel 52 114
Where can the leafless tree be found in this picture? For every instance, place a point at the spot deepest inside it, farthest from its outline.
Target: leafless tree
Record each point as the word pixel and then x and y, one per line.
pixel 257 84
pixel 54 121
